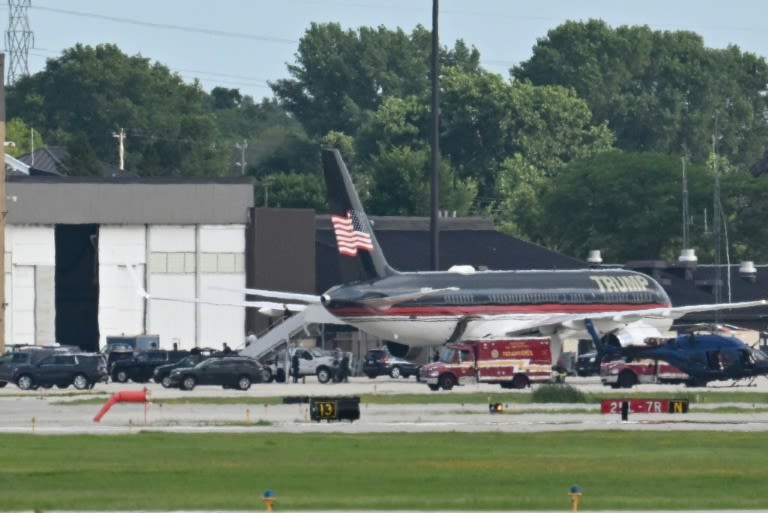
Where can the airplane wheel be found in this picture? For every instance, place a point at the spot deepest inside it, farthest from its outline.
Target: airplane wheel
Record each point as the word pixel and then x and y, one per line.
pixel 627 379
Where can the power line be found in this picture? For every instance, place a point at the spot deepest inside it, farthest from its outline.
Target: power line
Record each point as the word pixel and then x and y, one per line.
pixel 166 26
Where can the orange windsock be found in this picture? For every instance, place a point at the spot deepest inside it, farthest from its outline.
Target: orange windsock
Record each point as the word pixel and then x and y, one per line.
pixel 124 396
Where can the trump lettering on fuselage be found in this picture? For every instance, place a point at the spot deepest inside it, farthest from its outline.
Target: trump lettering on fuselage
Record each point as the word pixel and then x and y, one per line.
pixel 620 283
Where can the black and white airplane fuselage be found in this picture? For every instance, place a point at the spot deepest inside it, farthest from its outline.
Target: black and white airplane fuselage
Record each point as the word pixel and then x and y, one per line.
pixel 452 306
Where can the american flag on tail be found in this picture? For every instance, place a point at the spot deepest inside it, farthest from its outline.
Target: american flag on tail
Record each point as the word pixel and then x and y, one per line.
pixel 349 234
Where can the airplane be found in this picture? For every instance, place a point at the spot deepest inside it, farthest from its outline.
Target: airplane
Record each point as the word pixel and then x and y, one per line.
pixel 429 308
pixel 704 355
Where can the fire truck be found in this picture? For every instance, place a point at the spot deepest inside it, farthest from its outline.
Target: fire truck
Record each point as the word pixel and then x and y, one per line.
pixel 511 363
pixel 626 373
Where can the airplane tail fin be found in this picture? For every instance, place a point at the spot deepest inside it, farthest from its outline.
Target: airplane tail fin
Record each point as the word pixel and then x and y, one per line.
pixel 360 256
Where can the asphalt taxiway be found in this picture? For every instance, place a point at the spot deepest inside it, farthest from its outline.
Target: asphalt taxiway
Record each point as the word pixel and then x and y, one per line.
pixel 55 411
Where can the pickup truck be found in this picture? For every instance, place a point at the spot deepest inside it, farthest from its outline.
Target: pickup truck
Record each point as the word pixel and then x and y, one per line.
pixel 141 367
pixel 312 362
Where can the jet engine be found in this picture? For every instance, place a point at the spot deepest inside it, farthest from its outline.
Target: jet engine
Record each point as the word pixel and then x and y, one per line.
pixel 634 334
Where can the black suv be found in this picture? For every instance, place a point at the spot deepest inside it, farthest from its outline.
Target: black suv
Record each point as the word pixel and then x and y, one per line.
pixel 379 362
pixel 162 373
pixel 141 367
pixel 228 372
pixel 82 370
pixel 26 355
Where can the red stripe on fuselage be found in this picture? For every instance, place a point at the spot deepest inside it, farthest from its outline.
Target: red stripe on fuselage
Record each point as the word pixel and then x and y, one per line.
pixel 462 310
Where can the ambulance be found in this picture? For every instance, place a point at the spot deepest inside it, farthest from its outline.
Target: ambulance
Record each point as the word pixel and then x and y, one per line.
pixel 511 363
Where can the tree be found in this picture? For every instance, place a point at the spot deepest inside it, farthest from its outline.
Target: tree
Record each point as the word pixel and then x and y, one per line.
pixel 21 138
pixel 97 91
pixel 401 186
pixel 81 160
pixel 340 75
pixel 485 122
pixel 292 190
pixel 626 204
pixel 659 91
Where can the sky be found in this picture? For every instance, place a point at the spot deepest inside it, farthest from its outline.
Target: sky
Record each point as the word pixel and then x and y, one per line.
pixel 243 44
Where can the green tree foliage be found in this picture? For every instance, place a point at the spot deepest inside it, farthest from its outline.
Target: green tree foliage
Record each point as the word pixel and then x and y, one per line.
pixel 340 75
pixel 628 205
pixel 81 160
pixel 659 91
pixel 96 91
pixel 486 123
pixel 401 184
pixel 291 190
pixel 745 210
pixel 21 138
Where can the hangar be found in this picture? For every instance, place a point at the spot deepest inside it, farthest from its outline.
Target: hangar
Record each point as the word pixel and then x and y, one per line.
pixel 68 240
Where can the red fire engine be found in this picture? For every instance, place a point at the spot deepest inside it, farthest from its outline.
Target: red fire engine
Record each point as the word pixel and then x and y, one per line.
pixel 626 374
pixel 511 363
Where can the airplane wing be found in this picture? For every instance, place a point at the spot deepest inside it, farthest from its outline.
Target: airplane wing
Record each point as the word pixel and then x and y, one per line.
pixel 270 308
pixel 382 303
pixel 293 296
pixel 608 321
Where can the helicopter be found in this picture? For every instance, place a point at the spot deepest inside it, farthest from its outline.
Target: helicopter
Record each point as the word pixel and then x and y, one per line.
pixel 705 355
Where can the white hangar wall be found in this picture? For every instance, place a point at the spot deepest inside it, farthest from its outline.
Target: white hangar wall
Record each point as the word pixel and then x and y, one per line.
pixel 30 257
pixel 178 262
pixel 183 235
pixel 206 261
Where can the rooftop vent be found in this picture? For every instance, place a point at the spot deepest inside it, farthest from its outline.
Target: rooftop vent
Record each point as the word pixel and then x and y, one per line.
pixel 688 256
pixel 747 270
pixel 594 257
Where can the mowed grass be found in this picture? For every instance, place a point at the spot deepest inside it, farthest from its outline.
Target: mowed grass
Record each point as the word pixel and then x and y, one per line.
pixel 430 471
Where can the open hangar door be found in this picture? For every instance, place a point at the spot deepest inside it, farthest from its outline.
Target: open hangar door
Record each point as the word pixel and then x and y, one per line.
pixel 77 285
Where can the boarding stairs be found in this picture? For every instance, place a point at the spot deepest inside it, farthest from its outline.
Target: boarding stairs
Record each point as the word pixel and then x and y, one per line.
pixel 282 333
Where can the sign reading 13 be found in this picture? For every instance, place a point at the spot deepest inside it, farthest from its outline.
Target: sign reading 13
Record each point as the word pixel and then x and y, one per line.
pixel 326 409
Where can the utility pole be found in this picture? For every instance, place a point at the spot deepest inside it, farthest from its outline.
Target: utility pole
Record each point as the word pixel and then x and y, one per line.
pixel 121 146
pixel 3 211
pixel 434 204
pixel 242 163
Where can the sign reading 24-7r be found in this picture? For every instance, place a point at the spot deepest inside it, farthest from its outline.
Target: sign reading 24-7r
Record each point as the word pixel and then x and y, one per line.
pixel 645 405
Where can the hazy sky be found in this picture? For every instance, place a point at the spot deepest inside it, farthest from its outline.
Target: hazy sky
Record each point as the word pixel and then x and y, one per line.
pixel 244 43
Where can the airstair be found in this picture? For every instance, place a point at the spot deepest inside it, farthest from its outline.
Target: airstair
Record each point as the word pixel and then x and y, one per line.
pixel 286 330
pixel 280 334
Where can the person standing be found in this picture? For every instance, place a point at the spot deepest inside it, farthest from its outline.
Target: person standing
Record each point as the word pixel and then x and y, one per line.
pixel 295 366
pixel 250 339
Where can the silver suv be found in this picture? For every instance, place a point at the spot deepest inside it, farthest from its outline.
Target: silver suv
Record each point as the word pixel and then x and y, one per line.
pixel 312 362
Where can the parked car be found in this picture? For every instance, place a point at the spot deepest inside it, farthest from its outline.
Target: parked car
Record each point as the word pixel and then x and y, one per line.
pixel 162 373
pixel 587 364
pixel 141 367
pixel 82 370
pixel 229 372
pixel 26 355
pixel 312 362
pixel 379 362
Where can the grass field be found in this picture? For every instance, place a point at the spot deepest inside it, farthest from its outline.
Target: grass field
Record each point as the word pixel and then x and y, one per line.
pixel 431 471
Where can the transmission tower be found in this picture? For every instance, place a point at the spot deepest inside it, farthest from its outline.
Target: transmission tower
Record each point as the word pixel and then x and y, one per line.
pixel 18 39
